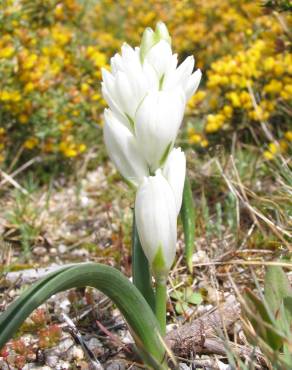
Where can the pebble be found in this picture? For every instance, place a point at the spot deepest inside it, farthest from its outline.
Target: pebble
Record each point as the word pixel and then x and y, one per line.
pixel 116 365
pixel 65 344
pixel 52 361
pixel 62 248
pixel 76 353
pixel 39 251
pixel 53 251
pixel 80 252
pixel 94 344
pixel 183 366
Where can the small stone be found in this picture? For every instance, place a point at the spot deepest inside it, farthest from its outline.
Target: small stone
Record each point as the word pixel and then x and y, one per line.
pixel 93 344
pixel 39 251
pixel 116 365
pixel 200 257
pixel 80 252
pixel 65 345
pixel 76 353
pixel 53 251
pixel 62 248
pixel 52 361
pixel 183 366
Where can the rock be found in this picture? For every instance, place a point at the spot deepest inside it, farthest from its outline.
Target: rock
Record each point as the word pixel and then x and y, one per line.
pixel 80 252
pixel 39 251
pixel 183 366
pixel 52 361
pixel 200 257
pixel 76 353
pixel 62 248
pixel 53 252
pixel 65 345
pixel 95 346
pixel 115 365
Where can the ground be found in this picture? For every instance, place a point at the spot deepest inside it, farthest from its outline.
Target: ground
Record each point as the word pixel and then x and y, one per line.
pixel 242 225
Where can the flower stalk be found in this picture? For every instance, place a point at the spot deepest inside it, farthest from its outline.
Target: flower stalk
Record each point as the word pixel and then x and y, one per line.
pixel 160 302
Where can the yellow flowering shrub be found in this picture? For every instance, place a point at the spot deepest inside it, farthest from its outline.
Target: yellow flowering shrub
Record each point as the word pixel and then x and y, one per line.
pixel 52 51
pixel 49 78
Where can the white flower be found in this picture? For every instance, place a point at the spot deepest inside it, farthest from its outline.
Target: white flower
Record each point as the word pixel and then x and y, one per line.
pixel 175 171
pixel 155 212
pixel 183 76
pixel 160 58
pixel 122 149
pixel 127 84
pixel 156 124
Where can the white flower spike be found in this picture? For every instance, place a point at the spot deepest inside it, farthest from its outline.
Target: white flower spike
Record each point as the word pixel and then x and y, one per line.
pixel 156 218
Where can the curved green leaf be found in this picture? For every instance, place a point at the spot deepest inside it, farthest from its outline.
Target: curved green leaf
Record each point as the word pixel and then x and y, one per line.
pixel 188 220
pixel 112 283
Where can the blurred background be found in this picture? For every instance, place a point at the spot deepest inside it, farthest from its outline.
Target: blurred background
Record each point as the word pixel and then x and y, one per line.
pixel 51 54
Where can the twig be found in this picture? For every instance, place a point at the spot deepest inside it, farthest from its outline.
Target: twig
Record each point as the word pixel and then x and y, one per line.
pixel 94 363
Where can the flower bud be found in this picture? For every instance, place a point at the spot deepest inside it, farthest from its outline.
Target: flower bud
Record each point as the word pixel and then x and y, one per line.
pixel 156 219
pixel 151 38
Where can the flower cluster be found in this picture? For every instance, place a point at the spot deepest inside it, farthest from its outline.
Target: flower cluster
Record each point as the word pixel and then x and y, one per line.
pixel 49 71
pixel 52 52
pixel 147 93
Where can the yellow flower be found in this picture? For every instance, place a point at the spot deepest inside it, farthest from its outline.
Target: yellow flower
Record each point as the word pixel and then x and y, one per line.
pixel 274 87
pixel 23 118
pixel 29 87
pixel 6 52
pixel 283 146
pixel 195 139
pixel 234 98
pixel 82 148
pixel 268 155
pixel 286 93
pixel 288 135
pixel 227 110
pixel 29 61
pixel 31 143
pixel 204 143
pixel 273 148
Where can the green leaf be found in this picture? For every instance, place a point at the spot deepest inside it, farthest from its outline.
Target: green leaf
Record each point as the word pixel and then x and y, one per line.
pixel 277 287
pixel 140 269
pixel 195 298
pixel 177 295
pixel 188 220
pixel 260 319
pixel 188 296
pixel 181 307
pixel 287 302
pixel 139 316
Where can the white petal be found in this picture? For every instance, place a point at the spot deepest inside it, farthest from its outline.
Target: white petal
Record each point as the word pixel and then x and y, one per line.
pixel 114 107
pixel 156 219
pixel 193 83
pixel 180 76
pixel 122 149
pixel 175 171
pixel 160 57
pixel 126 99
pixel 157 122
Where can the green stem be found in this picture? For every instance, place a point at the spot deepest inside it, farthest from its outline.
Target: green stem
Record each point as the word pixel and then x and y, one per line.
pixel 140 269
pixel 160 303
pixel 188 216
